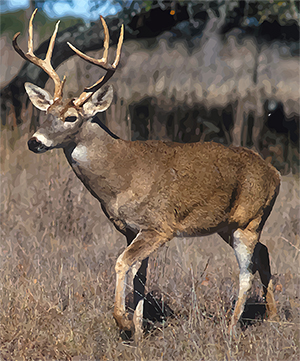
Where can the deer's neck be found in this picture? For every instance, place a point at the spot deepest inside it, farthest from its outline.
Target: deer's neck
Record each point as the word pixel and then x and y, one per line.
pixel 96 158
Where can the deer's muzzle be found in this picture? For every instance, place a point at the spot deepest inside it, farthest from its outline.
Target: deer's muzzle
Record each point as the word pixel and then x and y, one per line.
pixel 36 146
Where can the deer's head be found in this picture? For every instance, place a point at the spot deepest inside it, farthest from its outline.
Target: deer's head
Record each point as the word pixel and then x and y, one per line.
pixel 64 118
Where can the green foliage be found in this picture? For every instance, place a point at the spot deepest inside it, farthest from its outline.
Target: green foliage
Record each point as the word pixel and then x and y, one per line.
pixel 12 23
pixel 251 12
pixel 254 12
pixel 147 5
pixel 282 11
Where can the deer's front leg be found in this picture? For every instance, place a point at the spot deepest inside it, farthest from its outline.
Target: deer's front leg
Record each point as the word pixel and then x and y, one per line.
pixel 142 246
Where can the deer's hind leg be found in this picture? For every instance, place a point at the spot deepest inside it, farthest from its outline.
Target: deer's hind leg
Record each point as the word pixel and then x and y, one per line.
pixel 244 242
pixel 261 263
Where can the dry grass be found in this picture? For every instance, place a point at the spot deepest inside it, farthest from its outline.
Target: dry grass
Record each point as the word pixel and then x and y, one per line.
pixel 57 276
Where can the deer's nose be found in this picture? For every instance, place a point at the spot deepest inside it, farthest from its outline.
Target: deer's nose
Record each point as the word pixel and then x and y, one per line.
pixel 34 144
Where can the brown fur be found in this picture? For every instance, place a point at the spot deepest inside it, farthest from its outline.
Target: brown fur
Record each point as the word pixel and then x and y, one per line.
pixel 60 107
pixel 190 188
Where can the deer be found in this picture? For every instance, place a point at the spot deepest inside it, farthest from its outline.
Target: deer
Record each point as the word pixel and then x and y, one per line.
pixel 153 191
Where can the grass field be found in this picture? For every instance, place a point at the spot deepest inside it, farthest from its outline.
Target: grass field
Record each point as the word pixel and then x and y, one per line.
pixel 57 277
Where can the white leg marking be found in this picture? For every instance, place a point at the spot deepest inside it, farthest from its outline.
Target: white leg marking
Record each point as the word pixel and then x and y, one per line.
pixel 243 256
pixel 245 281
pixel 131 275
pixel 135 268
pixel 241 251
pixel 138 320
pixel 120 289
pixel 121 281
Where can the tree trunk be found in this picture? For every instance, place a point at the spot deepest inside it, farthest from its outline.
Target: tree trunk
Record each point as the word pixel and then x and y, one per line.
pixel 238 124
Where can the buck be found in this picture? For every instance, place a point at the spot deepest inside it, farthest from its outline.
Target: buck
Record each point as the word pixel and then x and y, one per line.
pixel 153 191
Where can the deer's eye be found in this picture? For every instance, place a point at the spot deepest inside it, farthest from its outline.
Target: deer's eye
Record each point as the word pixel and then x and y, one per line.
pixel 71 119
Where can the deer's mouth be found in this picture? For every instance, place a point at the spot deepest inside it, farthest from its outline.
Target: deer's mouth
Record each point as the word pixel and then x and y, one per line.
pixel 36 146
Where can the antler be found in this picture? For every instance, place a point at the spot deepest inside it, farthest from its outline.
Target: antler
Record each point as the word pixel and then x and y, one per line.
pixel 43 64
pixel 103 63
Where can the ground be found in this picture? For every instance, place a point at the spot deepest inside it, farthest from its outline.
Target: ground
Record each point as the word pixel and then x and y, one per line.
pixel 57 277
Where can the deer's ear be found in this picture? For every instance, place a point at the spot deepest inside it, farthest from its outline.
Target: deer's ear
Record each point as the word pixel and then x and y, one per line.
pixel 39 97
pixel 100 101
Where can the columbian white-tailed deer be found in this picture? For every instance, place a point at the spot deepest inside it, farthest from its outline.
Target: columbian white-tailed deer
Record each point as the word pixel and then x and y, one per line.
pixel 153 191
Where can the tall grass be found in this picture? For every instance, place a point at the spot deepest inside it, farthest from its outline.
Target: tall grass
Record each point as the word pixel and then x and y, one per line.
pixel 57 276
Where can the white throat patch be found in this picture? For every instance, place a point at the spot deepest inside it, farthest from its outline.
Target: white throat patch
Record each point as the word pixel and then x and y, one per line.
pixel 80 153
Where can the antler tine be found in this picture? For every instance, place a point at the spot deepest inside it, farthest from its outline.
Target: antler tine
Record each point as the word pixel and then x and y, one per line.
pixel 119 48
pixel 43 64
pixel 102 63
pixel 106 41
pixel 51 43
pixel 30 32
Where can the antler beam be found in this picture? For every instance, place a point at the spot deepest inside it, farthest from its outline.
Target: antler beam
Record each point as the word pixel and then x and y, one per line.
pixel 102 63
pixel 43 64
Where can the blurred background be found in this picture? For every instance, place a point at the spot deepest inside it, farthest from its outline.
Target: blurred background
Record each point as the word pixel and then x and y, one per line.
pixel 226 71
pixel 190 71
